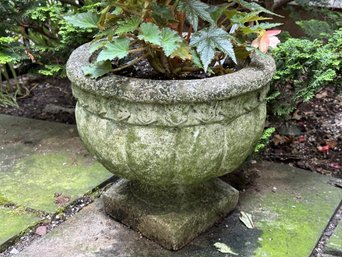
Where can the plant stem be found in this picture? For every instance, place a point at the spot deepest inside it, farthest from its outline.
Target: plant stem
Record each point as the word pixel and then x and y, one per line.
pixel 181 17
pixel 189 34
pixel 17 91
pixel 137 50
pixel 129 64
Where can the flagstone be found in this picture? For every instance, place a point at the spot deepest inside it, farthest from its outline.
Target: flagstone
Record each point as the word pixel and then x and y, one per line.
pixel 12 223
pixel 290 209
pixel 44 165
pixel 334 244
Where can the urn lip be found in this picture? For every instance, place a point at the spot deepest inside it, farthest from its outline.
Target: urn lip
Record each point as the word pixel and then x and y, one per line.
pixel 256 75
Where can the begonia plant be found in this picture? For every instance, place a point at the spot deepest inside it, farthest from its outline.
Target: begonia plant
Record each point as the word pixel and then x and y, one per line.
pixel 176 38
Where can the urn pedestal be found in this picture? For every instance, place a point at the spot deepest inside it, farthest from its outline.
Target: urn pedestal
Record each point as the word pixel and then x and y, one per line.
pixel 169 141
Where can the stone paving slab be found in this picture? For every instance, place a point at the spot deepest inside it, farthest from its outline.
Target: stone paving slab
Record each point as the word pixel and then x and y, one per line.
pixel 290 210
pixel 44 165
pixel 12 223
pixel 334 244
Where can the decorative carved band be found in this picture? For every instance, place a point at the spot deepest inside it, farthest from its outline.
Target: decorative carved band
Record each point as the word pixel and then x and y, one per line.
pixel 180 114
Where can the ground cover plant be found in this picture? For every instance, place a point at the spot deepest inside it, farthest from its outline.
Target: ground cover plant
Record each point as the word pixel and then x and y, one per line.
pixel 176 37
pixel 304 67
pixel 35 37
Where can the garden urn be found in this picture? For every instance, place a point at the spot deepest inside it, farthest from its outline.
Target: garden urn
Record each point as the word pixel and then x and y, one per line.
pixel 169 141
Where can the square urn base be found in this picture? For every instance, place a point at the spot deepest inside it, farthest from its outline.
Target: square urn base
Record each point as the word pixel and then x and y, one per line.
pixel 170 219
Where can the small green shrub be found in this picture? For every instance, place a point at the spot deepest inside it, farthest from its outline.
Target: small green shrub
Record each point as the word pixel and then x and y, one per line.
pixel 35 32
pixel 264 139
pixel 303 68
pixel 315 28
pixel 46 37
pixel 10 55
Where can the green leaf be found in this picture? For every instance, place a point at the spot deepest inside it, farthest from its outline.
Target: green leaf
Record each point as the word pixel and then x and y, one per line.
pixel 97 69
pixel 162 14
pixel 216 12
pixel 83 20
pixel 208 40
pixel 196 59
pixel 194 9
pixel 117 49
pixel 51 69
pixel 241 18
pixel 150 33
pixel 7 40
pixel 94 46
pixel 118 10
pixel 255 7
pixel 170 41
pixel 259 27
pixel 5 58
pixel 129 25
pixel 183 52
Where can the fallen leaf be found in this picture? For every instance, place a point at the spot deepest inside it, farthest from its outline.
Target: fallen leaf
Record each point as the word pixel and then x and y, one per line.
pixel 335 166
pixel 279 140
pixel 324 148
pixel 331 143
pixel 246 219
pixel 61 199
pixel 321 94
pixel 41 230
pixel 223 248
pixel 296 115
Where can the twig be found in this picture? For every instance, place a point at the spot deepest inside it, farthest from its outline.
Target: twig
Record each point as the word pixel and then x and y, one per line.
pixel 137 50
pixel 130 63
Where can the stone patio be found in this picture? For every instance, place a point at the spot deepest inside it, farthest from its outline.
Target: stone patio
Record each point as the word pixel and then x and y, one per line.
pixel 334 245
pixel 43 167
pixel 40 161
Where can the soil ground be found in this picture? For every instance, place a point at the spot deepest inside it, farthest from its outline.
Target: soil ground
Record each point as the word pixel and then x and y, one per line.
pixel 46 99
pixel 312 137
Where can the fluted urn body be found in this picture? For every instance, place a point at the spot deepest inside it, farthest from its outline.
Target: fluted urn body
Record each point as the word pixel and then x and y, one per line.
pixel 170 133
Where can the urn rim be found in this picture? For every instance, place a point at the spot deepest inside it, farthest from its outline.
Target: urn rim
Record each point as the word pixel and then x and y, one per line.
pixel 253 77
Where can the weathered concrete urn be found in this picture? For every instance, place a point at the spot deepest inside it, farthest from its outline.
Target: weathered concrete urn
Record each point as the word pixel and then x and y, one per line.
pixel 169 140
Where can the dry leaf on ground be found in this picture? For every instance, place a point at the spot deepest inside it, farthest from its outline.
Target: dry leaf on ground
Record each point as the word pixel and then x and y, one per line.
pixel 246 219
pixel 223 248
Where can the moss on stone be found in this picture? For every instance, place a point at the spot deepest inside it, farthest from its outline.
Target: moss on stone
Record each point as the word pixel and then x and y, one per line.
pixel 3 200
pixel 34 180
pixel 288 221
pixel 13 222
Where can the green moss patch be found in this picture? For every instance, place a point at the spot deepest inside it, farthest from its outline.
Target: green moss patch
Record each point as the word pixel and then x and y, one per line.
pixel 47 182
pixel 290 227
pixel 3 200
pixel 12 223
pixel 291 208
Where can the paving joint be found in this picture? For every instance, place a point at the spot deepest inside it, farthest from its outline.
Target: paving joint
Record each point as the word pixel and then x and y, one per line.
pixel 44 216
pixel 336 218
